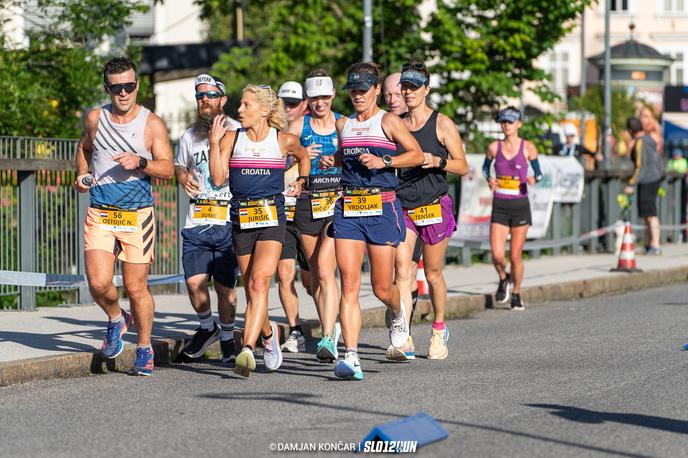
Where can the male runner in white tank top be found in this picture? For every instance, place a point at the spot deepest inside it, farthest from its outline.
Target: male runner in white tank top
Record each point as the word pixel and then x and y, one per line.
pixel 122 147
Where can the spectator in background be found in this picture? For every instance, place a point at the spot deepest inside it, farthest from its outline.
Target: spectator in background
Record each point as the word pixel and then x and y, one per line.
pixel 651 127
pixel 647 174
pixel 573 148
pixel 677 163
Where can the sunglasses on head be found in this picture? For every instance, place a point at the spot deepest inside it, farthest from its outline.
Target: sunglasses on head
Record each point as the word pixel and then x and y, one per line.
pixel 117 88
pixel 415 65
pixel 209 94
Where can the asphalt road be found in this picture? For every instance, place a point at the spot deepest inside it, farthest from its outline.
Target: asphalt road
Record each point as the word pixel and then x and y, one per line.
pixel 598 377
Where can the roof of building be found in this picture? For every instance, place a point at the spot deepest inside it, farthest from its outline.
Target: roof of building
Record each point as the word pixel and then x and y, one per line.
pixel 633 49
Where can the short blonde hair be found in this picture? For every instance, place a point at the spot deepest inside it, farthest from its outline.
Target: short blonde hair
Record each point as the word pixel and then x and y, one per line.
pixel 267 98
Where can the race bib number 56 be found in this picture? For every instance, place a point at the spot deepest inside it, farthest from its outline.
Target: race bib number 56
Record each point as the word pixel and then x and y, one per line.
pixel 118 220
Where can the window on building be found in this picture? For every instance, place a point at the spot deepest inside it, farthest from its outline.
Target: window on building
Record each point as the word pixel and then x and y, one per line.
pixel 677 69
pixel 619 6
pixel 674 6
pixel 557 65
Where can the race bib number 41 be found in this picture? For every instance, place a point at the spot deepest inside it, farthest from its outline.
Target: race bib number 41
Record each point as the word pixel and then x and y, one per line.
pixel 118 220
pixel 257 213
pixel 362 202
pixel 322 204
pixel 210 211
pixel 427 214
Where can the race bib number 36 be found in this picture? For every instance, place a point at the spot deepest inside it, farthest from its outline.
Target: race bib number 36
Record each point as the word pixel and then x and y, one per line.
pixel 118 220
pixel 362 202
pixel 322 204
pixel 210 212
pixel 426 215
pixel 257 213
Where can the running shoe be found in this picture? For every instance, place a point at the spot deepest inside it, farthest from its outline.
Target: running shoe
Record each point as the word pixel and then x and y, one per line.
pixel 201 340
pixel 144 363
pixel 653 251
pixel 327 348
pixel 349 368
pixel 272 354
pixel 399 331
pixel 229 351
pixel 503 293
pixel 388 313
pixel 245 362
pixel 438 344
pixel 517 303
pixel 112 344
pixel 405 353
pixel 295 343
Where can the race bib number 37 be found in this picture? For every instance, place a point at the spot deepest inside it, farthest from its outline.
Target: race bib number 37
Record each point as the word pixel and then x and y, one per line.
pixel 210 212
pixel 257 213
pixel 362 202
pixel 118 220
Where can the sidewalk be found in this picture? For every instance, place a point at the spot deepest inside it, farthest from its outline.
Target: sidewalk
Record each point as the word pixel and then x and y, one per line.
pixel 60 341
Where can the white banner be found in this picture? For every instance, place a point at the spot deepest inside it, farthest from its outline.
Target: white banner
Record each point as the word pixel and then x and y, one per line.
pixel 563 180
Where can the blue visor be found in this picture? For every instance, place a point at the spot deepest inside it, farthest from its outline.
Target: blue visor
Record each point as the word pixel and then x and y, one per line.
pixel 413 77
pixel 360 81
pixel 508 115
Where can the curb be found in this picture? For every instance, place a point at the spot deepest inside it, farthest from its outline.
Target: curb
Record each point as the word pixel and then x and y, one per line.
pixel 169 350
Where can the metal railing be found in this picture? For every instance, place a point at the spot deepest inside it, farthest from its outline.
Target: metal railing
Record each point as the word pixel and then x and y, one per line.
pixel 41 217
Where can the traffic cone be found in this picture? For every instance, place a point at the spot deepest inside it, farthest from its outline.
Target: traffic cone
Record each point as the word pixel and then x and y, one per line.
pixel 423 287
pixel 627 253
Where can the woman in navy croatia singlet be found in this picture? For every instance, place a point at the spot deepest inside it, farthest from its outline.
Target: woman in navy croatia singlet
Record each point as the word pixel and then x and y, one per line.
pixel 254 158
pixel 368 216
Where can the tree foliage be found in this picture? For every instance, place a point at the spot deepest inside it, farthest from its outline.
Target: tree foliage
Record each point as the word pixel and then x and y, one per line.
pixel 48 83
pixel 294 37
pixel 484 51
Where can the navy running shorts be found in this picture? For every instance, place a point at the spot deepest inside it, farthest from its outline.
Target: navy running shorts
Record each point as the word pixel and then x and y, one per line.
pixel 386 229
pixel 208 250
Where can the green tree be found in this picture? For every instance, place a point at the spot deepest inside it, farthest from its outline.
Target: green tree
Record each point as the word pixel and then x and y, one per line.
pixel 484 51
pixel 293 37
pixel 47 84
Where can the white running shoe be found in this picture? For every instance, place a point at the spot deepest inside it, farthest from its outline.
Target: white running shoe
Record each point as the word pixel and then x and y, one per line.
pixel 399 331
pixel 295 343
pixel 272 354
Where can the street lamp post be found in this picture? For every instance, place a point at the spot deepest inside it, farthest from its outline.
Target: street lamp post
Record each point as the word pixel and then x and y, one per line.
pixel 607 86
pixel 583 79
pixel 367 31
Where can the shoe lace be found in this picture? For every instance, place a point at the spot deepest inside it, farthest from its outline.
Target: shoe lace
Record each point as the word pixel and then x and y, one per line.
pixel 398 327
pixel 112 330
pixel 437 338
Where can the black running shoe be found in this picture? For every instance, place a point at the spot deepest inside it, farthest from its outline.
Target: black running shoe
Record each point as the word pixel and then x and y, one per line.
pixel 504 290
pixel 201 341
pixel 229 351
pixel 517 303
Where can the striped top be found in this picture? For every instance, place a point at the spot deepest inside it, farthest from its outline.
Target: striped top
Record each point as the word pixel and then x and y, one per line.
pixel 366 137
pixel 115 186
pixel 256 170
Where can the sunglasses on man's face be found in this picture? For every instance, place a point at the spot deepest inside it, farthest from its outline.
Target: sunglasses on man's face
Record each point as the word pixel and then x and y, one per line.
pixel 116 89
pixel 415 65
pixel 209 94
pixel 291 104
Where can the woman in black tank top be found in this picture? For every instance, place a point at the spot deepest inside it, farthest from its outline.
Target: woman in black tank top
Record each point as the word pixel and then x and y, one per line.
pixel 427 207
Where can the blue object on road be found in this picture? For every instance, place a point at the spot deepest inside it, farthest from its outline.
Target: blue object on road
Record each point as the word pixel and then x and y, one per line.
pixel 421 428
pixel 685 347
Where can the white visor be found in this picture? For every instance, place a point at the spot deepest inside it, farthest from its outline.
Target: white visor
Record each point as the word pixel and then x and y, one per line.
pixel 319 85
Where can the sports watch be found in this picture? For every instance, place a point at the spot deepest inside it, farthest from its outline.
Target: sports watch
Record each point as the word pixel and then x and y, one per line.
pixel 143 163
pixel 443 163
pixel 387 159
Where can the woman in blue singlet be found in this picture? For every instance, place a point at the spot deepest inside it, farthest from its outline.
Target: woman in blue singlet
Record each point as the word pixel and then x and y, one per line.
pixel 369 216
pixel 256 158
pixel 315 207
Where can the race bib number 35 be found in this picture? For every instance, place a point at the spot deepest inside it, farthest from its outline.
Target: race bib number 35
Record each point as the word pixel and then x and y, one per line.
pixel 426 215
pixel 257 213
pixel 322 204
pixel 118 220
pixel 362 202
pixel 210 212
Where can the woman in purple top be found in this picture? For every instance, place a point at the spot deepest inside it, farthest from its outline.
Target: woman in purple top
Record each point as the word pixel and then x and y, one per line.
pixel 510 205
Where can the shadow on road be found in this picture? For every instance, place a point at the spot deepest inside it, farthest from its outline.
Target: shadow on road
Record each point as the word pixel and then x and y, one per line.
pixel 593 417
pixel 309 399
